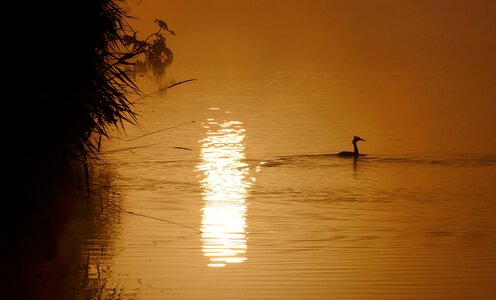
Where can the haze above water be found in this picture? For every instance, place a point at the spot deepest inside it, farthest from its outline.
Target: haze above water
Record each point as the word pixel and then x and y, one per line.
pixel 422 71
pixel 255 204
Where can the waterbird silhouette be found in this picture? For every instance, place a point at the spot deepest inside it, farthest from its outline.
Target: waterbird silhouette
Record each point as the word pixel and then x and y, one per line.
pixel 355 152
pixel 163 25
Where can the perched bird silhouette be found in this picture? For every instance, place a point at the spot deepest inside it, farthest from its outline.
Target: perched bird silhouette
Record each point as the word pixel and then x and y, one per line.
pixel 164 26
pixel 355 152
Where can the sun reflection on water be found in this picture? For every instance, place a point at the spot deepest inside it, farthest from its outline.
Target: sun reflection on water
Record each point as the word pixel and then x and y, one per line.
pixel 225 182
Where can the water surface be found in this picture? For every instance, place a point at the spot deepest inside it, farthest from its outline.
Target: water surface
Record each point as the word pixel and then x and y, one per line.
pixel 250 202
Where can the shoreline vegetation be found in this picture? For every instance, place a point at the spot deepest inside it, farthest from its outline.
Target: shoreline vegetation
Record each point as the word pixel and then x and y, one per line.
pixel 69 66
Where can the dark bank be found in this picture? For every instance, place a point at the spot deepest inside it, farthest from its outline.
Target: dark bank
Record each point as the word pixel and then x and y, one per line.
pixel 66 87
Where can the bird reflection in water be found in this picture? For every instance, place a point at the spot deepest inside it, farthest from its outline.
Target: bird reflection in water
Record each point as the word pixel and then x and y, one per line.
pixel 225 182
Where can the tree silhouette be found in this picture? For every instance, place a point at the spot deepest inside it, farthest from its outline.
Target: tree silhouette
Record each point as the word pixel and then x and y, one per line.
pixel 151 52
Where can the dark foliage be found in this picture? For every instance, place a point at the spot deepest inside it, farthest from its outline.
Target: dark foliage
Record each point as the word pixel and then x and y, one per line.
pixel 151 52
pixel 66 83
pixel 63 89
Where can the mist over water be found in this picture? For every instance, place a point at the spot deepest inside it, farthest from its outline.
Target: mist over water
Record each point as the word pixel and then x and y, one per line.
pixel 419 71
pixel 258 206
pixel 280 215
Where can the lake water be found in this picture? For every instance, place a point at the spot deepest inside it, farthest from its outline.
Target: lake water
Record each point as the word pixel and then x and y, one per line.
pixel 230 190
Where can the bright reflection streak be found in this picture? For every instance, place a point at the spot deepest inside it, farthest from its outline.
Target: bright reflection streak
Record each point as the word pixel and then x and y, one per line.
pixel 225 186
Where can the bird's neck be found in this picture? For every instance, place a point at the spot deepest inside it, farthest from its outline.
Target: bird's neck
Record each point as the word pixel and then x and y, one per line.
pixel 355 149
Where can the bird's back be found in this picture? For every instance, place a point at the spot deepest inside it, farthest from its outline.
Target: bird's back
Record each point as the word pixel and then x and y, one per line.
pixel 346 154
pixel 349 154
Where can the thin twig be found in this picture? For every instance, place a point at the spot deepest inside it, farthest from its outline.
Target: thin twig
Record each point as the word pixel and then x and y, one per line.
pixel 162 89
pixel 129 148
pixel 180 82
pixel 153 218
pixel 156 131
pixel 183 148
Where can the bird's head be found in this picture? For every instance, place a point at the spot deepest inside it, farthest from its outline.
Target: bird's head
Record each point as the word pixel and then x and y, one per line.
pixel 357 139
